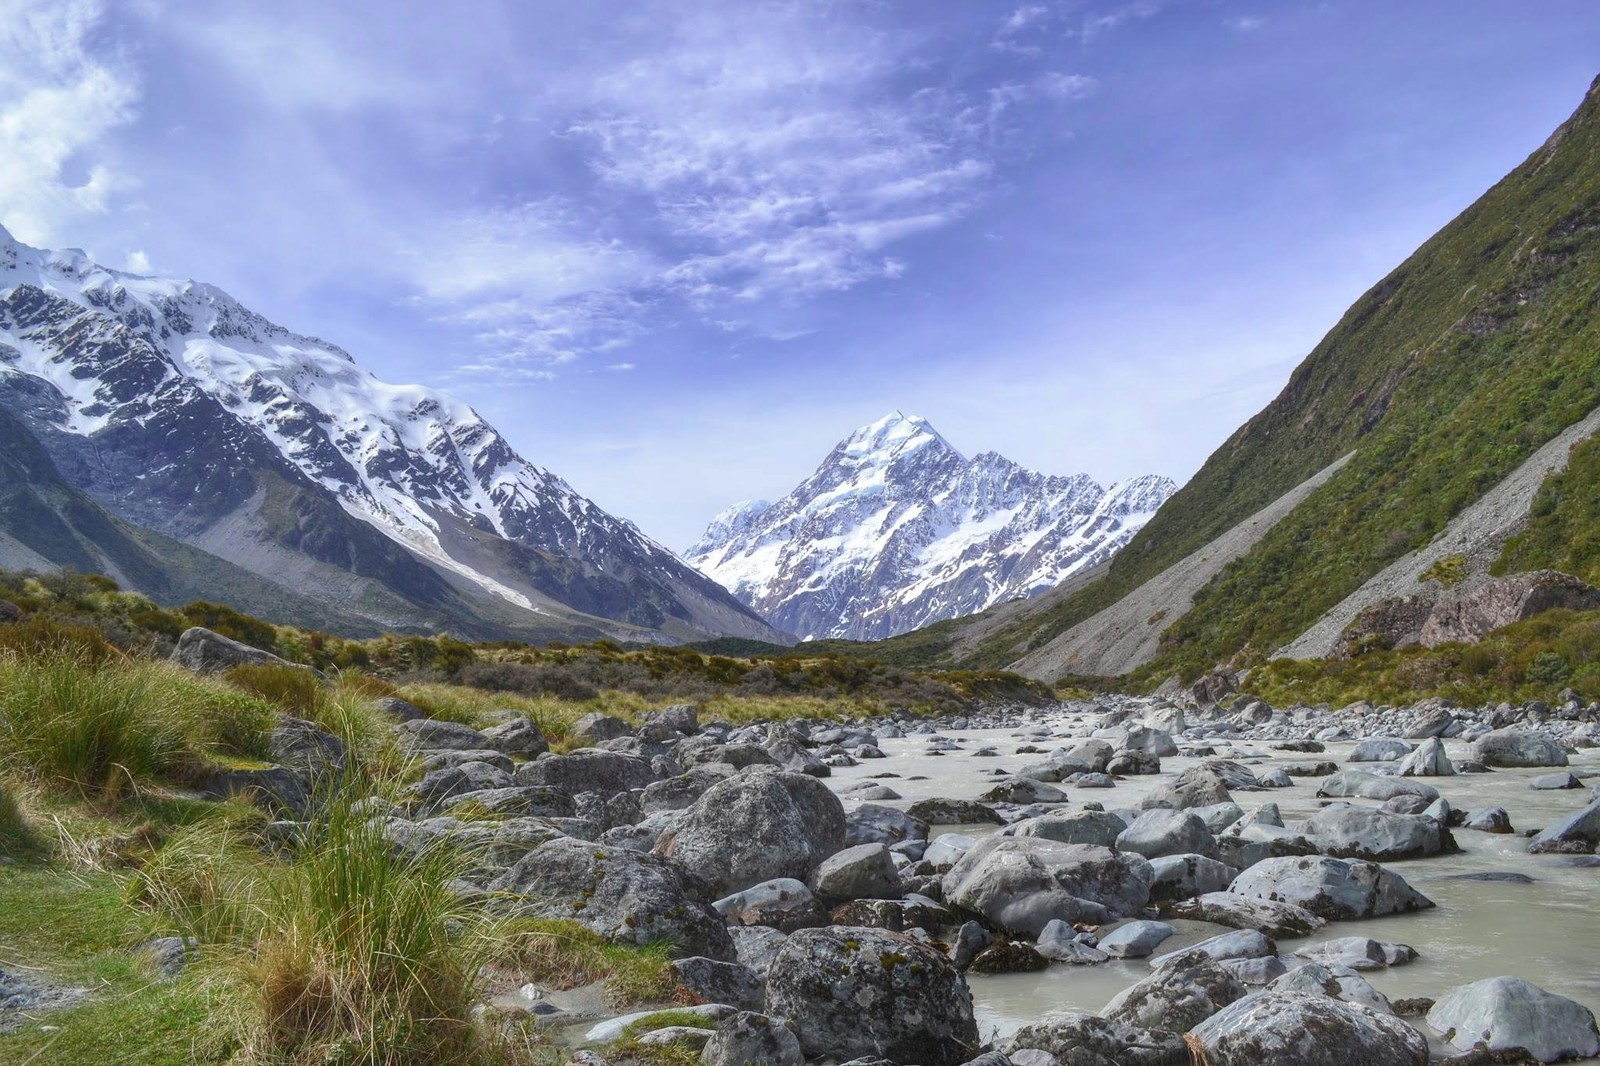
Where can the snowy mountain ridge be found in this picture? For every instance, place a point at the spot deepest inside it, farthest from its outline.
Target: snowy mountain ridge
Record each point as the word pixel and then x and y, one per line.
pixel 121 353
pixel 896 529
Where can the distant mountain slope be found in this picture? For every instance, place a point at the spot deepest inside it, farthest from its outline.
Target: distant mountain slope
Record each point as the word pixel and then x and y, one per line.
pixel 897 529
pixel 1442 379
pixel 184 412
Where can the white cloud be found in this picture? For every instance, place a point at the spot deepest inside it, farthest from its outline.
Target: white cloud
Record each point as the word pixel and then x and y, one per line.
pixel 137 263
pixel 57 105
pixel 777 151
pixel 1055 85
pixel 1246 23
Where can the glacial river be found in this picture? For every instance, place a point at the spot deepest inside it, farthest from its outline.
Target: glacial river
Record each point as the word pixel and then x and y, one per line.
pixel 1546 931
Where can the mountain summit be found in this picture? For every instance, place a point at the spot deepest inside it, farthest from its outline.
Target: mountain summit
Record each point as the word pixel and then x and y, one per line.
pixel 180 410
pixel 897 529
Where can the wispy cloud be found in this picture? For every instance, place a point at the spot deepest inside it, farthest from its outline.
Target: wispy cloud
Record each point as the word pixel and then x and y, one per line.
pixel 57 102
pixel 1246 23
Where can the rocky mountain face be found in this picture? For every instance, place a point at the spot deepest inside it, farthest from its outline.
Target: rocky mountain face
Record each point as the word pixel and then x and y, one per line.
pixel 896 529
pixel 1435 437
pixel 183 412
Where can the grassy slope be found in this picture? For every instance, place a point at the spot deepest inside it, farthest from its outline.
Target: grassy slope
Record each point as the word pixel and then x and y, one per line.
pixel 1443 377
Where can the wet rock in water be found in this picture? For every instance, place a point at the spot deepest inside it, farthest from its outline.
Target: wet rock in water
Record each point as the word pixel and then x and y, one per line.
pixel 1555 782
pixel 1489 820
pixel 1134 763
pixel 1576 834
pixel 716 981
pixel 1070 827
pixel 1358 784
pixel 854 991
pixel 1008 956
pixel 1059 942
pixel 1024 790
pixel 749 1037
pixel 1235 944
pixel 1276 779
pixel 1159 832
pixel 1497 876
pixel 625 896
pixel 1336 889
pixel 1089 1040
pixel 1198 786
pixel 1429 760
pixel 971 940
pixel 1507 1012
pixel 954 812
pixel 1019 883
pixel 782 903
pixel 862 872
pixel 872 823
pixel 1516 747
pixel 1186 876
pixel 757 825
pixel 1406 804
pixel 1380 749
pixel 1281 1028
pixel 1434 723
pixel 1178 996
pixel 869 790
pixel 1253 973
pixel 1340 982
pixel 1362 833
pixel 1311 769
pixel 1135 939
pixel 1358 953
pixel 588 770
pixel 1273 917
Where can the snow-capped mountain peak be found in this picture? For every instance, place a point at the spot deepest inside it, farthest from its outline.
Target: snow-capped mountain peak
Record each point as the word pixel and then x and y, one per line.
pixel 897 529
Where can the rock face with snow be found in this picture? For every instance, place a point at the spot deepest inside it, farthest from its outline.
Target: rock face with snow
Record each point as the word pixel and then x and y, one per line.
pixel 181 411
pixel 897 529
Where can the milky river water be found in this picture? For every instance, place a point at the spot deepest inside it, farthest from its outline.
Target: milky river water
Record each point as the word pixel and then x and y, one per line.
pixel 1547 932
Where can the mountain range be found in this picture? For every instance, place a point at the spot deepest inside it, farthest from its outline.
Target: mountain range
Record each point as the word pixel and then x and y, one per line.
pixel 897 529
pixel 164 433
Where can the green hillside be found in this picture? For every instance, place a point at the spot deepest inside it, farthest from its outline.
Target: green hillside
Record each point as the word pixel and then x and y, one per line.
pixel 1443 377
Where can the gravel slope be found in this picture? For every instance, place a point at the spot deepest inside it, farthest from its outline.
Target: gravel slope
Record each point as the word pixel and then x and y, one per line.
pixel 1123 636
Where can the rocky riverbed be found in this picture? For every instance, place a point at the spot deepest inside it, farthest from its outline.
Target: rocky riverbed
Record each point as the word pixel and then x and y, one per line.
pixel 1141 881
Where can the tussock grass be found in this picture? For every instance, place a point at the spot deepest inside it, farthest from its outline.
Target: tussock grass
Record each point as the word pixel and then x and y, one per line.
pixel 102 727
pixel 204 882
pixel 366 955
pixel 17 836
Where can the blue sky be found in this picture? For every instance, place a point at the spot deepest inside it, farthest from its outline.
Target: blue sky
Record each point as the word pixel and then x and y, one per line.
pixel 677 250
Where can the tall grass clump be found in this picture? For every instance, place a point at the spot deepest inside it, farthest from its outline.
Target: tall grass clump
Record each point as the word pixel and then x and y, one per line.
pixel 205 882
pixel 99 727
pixel 16 835
pixel 365 954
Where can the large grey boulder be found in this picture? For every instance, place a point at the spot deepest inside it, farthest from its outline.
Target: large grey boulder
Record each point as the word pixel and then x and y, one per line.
pixel 1380 749
pixel 1281 1028
pixel 588 770
pixel 1358 953
pixel 1340 982
pixel 748 1038
pixel 205 652
pixel 623 895
pixel 757 825
pixel 1506 1013
pixel 519 736
pixel 679 793
pixel 596 727
pixel 1190 988
pixel 493 846
pixel 863 872
pixel 857 991
pixel 715 981
pixel 1428 760
pixel 1336 889
pixel 1159 832
pixel 1273 917
pixel 1576 834
pixel 873 823
pixel 431 734
pixel 1516 747
pixel 1364 833
pixel 1070 827
pixel 782 903
pixel 517 801
pixel 1234 944
pixel 1198 786
pixel 438 786
pixel 1186 876
pixel 1136 939
pixel 944 811
pixel 1072 1039
pixel 1020 883
pixel 1358 784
